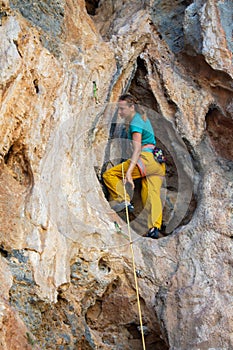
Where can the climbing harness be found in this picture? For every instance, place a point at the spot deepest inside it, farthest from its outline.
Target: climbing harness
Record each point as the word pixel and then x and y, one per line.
pixel 133 261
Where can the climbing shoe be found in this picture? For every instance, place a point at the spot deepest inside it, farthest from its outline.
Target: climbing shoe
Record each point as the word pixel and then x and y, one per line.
pixel 130 208
pixel 153 232
pixel 122 205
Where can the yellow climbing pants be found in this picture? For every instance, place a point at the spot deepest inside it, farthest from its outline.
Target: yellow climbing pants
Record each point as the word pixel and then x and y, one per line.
pixel 151 185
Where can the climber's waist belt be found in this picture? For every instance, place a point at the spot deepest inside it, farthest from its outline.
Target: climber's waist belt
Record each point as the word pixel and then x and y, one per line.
pixel 148 148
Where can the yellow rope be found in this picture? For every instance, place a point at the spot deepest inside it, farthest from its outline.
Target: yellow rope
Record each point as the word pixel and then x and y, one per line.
pixel 133 261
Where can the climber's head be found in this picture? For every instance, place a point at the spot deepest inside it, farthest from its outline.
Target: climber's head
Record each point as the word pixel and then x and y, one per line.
pixel 126 106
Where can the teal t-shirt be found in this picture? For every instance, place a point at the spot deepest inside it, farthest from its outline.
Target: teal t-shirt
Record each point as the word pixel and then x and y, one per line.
pixel 137 124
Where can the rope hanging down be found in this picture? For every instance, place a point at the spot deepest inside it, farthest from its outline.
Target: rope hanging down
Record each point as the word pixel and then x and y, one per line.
pixel 133 261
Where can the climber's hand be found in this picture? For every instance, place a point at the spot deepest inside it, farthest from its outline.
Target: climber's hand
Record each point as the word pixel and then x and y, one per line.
pixel 129 179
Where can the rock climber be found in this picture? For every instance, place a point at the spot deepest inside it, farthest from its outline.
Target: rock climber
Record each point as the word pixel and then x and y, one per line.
pixel 142 164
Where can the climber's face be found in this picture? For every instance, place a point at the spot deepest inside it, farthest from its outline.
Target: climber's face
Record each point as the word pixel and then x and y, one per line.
pixel 126 110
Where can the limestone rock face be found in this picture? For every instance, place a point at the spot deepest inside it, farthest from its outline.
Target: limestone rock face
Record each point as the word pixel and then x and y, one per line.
pixel 66 265
pixel 207 25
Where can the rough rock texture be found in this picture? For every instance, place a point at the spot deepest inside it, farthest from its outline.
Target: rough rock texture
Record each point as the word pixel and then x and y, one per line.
pixel 66 268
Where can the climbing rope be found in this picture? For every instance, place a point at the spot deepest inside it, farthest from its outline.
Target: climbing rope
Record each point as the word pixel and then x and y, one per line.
pixel 133 261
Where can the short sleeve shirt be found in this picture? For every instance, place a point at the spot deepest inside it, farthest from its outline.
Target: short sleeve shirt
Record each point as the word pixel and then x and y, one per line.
pixel 143 127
